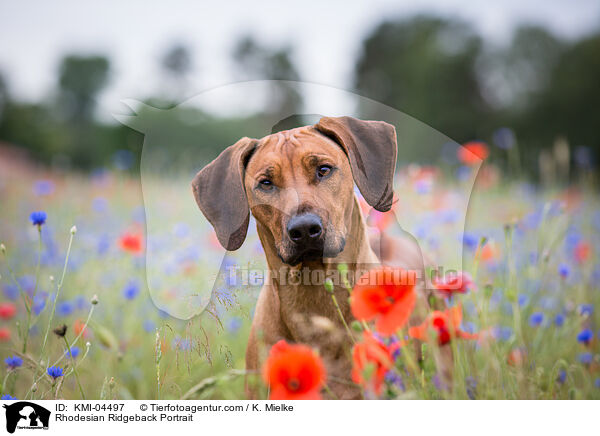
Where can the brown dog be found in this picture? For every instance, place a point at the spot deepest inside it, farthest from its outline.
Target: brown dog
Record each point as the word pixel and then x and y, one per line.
pixel 299 186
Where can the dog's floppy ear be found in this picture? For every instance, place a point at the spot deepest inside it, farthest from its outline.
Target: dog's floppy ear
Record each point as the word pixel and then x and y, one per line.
pixel 371 149
pixel 220 193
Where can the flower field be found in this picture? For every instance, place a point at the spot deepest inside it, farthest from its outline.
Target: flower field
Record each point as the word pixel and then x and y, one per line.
pixel 79 315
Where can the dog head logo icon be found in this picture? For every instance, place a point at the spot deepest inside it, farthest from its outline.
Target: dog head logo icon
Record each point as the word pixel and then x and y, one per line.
pixel 26 415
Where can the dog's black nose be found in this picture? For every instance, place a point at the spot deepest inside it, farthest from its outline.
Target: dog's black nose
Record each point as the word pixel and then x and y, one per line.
pixel 305 228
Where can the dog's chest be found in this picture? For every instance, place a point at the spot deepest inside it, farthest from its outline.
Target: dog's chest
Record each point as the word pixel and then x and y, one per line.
pixel 311 316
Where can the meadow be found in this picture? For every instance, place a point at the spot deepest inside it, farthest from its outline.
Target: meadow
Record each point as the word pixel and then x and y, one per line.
pixel 530 251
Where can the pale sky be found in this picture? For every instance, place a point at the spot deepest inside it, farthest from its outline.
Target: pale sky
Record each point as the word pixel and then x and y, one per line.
pixel 326 35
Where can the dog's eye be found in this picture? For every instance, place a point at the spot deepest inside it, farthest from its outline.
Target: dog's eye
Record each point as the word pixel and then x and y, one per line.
pixel 265 185
pixel 323 171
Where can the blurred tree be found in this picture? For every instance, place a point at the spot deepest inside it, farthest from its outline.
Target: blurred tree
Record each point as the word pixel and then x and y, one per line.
pixel 80 80
pixel 512 76
pixel 568 103
pixel 3 95
pixel 177 60
pixel 261 63
pixel 177 64
pixel 425 66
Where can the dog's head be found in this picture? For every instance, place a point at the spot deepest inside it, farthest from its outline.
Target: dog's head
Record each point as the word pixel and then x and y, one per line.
pixel 299 185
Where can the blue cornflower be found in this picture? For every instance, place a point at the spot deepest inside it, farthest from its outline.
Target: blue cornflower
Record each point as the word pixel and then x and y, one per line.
pixel 55 372
pixel 597 383
pixel 13 362
pixel 234 324
pixel 463 173
pixel 585 358
pixel 8 397
pixel 469 327
pixel 503 333
pixel 595 277
pixel 43 187
pixel 11 291
pixel 439 383
pixel 81 302
pixel 533 258
pixel 471 385
pixel 422 186
pixel 532 220
pixel 103 244
pixel 39 303
pixel 585 336
pixel 583 157
pixel 504 138
pixel 27 284
pixel 585 309
pixel 74 352
pixel 123 159
pixel 564 270
pixel 131 290
pixel 149 326
pixel 181 230
pixel 38 218
pixel 523 299
pixel 182 344
pixel 562 376
pixel 470 241
pixel 65 308
pixel 559 319
pixel 394 378
pixel 100 204
pixel 536 319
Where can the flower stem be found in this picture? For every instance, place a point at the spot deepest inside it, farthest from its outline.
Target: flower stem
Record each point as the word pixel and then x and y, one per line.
pixel 74 368
pixel 339 311
pixel 58 288
pixel 158 357
pixel 37 279
pixel 330 392
pixel 72 345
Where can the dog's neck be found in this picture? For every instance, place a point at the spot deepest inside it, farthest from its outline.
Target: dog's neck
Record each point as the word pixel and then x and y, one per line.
pixel 357 254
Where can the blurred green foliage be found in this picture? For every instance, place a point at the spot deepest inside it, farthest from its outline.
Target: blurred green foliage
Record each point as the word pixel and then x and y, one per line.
pixel 438 70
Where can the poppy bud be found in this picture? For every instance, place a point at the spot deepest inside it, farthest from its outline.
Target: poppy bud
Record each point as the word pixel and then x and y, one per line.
pixel 73 230
pixel 95 299
pixel 3 248
pixel 356 326
pixel 328 285
pixel 342 268
pixel 106 337
pixel 60 331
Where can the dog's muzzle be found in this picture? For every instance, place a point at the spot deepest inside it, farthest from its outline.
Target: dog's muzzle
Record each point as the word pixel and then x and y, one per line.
pixel 307 236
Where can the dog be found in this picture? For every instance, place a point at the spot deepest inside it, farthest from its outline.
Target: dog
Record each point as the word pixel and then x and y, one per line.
pixel 299 186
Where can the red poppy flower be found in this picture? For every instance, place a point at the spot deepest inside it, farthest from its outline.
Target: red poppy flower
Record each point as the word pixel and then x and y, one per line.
pixel 582 252
pixel 454 282
pixel 473 152
pixel 444 324
pixel 78 327
pixel 386 295
pixel 7 310
pixel 371 353
pixel 517 356
pixel 293 372
pixel 490 252
pixel 4 334
pixel 131 242
pixel 381 220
